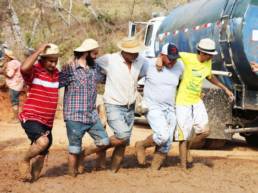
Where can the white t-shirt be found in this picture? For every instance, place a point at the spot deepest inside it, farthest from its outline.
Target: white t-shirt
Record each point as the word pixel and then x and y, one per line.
pixel 160 86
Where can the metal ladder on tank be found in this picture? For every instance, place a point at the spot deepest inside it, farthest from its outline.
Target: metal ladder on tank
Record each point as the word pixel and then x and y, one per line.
pixel 225 39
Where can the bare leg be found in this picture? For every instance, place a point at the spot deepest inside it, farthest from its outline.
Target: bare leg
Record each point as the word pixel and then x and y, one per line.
pixel 37 167
pixel 72 164
pixel 183 153
pixel 140 147
pixel 35 149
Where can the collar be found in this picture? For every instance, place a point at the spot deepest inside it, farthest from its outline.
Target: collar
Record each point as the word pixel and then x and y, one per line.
pixel 123 60
pixel 39 65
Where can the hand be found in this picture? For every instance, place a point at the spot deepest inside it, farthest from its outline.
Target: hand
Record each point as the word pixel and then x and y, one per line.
pixel 230 95
pixel 159 64
pixel 254 66
pixel 42 48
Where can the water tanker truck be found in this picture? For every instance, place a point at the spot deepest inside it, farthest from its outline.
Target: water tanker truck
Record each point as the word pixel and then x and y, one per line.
pixel 233 24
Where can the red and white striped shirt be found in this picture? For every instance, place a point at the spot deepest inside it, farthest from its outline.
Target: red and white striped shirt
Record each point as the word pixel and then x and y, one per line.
pixel 42 98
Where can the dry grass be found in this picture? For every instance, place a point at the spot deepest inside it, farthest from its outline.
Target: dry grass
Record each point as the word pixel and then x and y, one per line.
pixel 111 25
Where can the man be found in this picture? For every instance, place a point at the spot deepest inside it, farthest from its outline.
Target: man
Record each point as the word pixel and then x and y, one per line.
pixel 190 110
pixel 122 72
pixel 159 98
pixel 14 81
pixel 39 108
pixel 80 78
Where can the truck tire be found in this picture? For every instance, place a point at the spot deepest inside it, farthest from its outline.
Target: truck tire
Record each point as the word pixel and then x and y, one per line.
pixel 252 140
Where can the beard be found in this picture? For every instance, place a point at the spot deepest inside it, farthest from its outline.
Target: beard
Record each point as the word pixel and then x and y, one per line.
pixel 90 61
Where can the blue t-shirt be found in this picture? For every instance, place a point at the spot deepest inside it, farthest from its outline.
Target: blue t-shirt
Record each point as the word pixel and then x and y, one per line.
pixel 160 86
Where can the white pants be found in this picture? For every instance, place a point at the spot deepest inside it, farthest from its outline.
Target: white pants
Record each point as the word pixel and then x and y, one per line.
pixel 163 123
pixel 190 118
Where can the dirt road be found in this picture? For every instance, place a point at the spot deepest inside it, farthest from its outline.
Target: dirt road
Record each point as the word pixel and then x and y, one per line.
pixel 233 169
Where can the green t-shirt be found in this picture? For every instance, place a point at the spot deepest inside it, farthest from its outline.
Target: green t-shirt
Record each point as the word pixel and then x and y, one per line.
pixel 195 72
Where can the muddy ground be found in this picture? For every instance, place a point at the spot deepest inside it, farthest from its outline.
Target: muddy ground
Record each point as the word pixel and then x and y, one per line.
pixel 232 169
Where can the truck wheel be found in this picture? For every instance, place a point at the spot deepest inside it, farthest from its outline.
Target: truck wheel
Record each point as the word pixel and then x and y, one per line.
pixel 215 143
pixel 252 140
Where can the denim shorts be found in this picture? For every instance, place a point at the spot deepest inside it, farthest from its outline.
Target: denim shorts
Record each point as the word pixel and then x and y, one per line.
pixel 14 95
pixel 121 119
pixel 76 131
pixel 35 130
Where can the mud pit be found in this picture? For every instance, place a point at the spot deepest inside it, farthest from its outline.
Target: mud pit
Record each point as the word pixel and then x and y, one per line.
pixel 233 169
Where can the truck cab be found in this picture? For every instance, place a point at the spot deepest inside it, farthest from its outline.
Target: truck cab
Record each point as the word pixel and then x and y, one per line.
pixel 149 29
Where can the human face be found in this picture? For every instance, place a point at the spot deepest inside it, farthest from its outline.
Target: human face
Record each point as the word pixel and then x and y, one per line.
pixel 129 57
pixel 167 62
pixel 91 57
pixel 203 57
pixel 6 59
pixel 49 63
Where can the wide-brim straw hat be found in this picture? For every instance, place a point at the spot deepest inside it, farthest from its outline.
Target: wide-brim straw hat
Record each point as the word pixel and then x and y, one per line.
pixel 130 45
pixel 52 50
pixel 87 45
pixel 207 46
pixel 9 53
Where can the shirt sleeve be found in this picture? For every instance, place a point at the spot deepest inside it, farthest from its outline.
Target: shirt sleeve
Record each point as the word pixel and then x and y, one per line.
pixel 101 75
pixel 209 75
pixel 103 61
pixel 182 67
pixel 28 77
pixel 144 68
pixel 12 67
pixel 65 76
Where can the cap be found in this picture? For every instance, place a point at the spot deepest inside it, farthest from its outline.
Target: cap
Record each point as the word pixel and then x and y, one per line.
pixel 171 51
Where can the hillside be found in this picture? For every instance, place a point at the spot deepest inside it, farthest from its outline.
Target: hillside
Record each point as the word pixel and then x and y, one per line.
pixel 50 21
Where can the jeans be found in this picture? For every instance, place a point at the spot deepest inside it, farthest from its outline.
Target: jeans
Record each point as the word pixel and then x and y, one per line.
pixel 121 119
pixel 14 95
pixel 76 131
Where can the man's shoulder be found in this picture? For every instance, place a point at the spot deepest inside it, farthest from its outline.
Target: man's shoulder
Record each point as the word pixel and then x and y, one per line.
pixel 187 54
pixel 14 63
pixel 179 64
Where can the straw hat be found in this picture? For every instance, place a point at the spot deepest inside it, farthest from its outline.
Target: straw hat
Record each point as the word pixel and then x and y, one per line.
pixel 87 45
pixel 9 53
pixel 207 46
pixel 130 45
pixel 52 50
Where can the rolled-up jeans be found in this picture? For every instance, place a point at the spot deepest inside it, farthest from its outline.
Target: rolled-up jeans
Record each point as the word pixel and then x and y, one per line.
pixel 76 131
pixel 163 123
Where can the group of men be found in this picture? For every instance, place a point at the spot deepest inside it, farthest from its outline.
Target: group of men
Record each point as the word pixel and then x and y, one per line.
pixel 171 99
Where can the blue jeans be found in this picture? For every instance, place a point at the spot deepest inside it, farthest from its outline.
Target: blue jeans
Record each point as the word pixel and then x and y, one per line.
pixel 163 123
pixel 121 119
pixel 76 131
pixel 14 95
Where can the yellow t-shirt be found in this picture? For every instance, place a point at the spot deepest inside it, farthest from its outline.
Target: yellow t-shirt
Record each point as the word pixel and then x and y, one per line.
pixel 195 72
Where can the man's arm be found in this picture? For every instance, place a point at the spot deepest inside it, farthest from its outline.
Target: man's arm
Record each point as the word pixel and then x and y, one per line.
pixel 27 65
pixel 103 61
pixel 216 82
pixel 101 75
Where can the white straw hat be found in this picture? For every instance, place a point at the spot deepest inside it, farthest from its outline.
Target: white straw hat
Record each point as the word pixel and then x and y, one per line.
pixel 130 45
pixel 207 46
pixel 52 50
pixel 87 45
pixel 9 53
